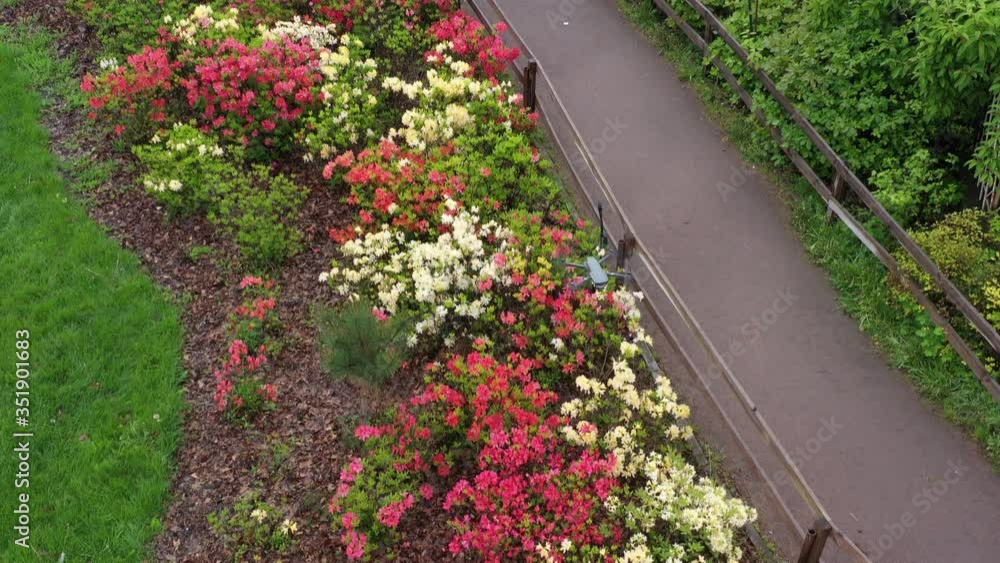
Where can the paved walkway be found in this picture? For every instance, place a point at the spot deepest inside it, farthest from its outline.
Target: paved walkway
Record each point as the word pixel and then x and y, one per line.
pixel 888 469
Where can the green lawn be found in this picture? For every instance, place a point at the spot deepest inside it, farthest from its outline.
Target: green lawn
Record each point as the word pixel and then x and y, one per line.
pixel 859 277
pixel 105 349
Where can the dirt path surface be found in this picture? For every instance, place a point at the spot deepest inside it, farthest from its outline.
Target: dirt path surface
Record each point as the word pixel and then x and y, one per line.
pixel 899 480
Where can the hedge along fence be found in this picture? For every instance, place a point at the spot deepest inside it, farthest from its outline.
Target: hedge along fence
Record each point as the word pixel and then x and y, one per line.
pixel 645 271
pixel 835 194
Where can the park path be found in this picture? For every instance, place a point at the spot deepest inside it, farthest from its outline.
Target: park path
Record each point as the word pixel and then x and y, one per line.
pixel 904 484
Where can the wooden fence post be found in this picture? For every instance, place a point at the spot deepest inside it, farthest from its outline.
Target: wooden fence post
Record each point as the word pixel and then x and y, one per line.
pixel 812 547
pixel 530 81
pixel 839 191
pixel 626 246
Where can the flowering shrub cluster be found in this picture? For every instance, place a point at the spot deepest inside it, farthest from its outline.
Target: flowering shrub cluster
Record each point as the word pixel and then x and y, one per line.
pixel 446 102
pixel 255 94
pixel 550 441
pixel 539 431
pixel 241 390
pixel 529 487
pixel 470 40
pixel 445 282
pixel 351 109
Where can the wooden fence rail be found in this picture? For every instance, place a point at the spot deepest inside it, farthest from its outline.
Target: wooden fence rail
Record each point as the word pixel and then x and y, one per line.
pixel 834 197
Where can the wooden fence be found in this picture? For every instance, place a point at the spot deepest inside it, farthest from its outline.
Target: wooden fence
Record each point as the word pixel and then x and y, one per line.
pixel 835 194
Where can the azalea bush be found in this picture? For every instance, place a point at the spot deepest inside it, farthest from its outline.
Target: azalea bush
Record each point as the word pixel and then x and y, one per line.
pixel 444 283
pixel 253 528
pixel 256 321
pixel 191 172
pixel 249 86
pixel 186 168
pixel 527 485
pixel 482 49
pixel 351 111
pixel 241 389
pixel 450 100
pixel 671 514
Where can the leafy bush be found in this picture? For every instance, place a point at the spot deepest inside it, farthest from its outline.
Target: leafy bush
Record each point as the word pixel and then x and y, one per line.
pixel 253 528
pixel 126 26
pixel 898 87
pixel 357 340
pixel 261 212
pixel 191 173
pixel 957 46
pixel 966 246
pixel 186 169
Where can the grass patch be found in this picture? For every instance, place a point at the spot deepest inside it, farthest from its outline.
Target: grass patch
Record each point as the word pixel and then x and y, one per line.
pixel 105 345
pixel 899 331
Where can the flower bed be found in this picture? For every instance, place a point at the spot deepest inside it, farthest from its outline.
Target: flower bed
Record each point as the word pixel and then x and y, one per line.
pixel 537 432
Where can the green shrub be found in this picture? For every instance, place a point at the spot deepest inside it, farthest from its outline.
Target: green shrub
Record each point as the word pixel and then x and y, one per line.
pixel 898 87
pixel 966 247
pixel 253 528
pixel 260 211
pixel 957 46
pixel 190 173
pixel 186 169
pixel 517 178
pixel 126 26
pixel 356 343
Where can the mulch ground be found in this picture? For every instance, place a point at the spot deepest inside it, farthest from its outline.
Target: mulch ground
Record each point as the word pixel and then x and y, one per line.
pixel 218 462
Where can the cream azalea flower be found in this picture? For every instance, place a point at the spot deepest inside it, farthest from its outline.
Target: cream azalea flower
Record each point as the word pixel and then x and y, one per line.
pixel 638 414
pixel 439 278
pixel 202 18
pixel 319 36
pixel 289 527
